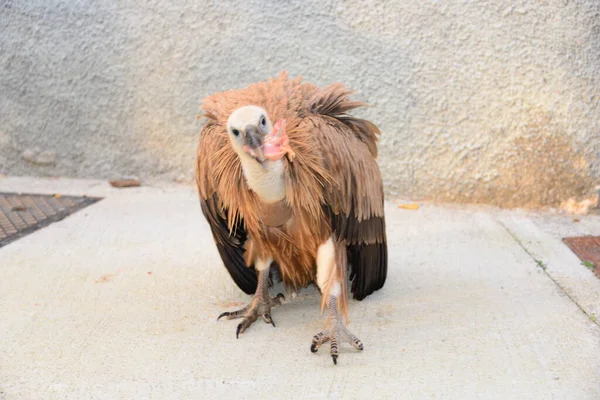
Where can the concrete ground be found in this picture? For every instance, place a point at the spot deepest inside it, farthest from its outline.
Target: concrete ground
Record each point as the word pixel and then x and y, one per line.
pixel 119 301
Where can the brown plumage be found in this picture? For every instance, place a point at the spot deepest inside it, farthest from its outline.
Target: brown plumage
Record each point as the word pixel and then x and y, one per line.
pixel 333 189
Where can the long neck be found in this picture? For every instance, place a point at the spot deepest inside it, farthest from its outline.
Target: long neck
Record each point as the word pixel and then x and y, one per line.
pixel 266 180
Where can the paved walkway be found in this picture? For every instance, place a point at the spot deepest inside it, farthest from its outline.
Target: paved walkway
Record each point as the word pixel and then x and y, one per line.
pixel 119 301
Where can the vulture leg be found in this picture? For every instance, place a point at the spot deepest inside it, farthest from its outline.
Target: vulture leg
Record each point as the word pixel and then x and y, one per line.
pixel 331 263
pixel 261 303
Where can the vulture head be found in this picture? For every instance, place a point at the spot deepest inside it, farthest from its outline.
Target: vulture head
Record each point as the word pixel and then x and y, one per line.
pixel 252 134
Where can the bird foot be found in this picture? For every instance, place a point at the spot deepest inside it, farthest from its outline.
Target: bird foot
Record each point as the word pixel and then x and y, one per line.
pixel 337 333
pixel 260 306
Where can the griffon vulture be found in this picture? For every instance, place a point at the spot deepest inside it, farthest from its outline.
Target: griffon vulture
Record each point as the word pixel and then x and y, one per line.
pixel 288 182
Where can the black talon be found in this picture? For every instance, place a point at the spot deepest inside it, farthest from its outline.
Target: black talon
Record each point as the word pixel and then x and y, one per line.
pixel 334 357
pixel 225 314
pixel 313 348
pixel 237 331
pixel 269 319
pixel 280 295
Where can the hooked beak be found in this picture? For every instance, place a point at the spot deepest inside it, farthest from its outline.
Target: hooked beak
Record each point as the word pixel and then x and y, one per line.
pixel 254 143
pixel 273 146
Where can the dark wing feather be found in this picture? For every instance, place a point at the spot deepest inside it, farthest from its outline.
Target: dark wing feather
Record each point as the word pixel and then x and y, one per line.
pixel 367 259
pixel 230 246
pixel 355 204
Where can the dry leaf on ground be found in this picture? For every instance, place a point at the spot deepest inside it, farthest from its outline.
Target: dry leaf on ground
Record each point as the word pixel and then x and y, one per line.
pixel 412 206
pixel 123 183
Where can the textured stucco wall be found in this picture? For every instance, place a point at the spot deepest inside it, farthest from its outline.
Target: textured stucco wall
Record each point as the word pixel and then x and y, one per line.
pixel 495 102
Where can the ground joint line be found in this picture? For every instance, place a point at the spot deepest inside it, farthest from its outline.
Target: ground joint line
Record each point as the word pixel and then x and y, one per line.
pixel 540 263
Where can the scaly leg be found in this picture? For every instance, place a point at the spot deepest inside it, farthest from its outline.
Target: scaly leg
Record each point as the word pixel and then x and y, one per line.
pixel 261 303
pixel 335 332
pixel 331 264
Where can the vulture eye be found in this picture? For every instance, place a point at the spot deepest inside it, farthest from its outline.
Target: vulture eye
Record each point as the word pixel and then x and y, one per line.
pixel 263 121
pixel 235 132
